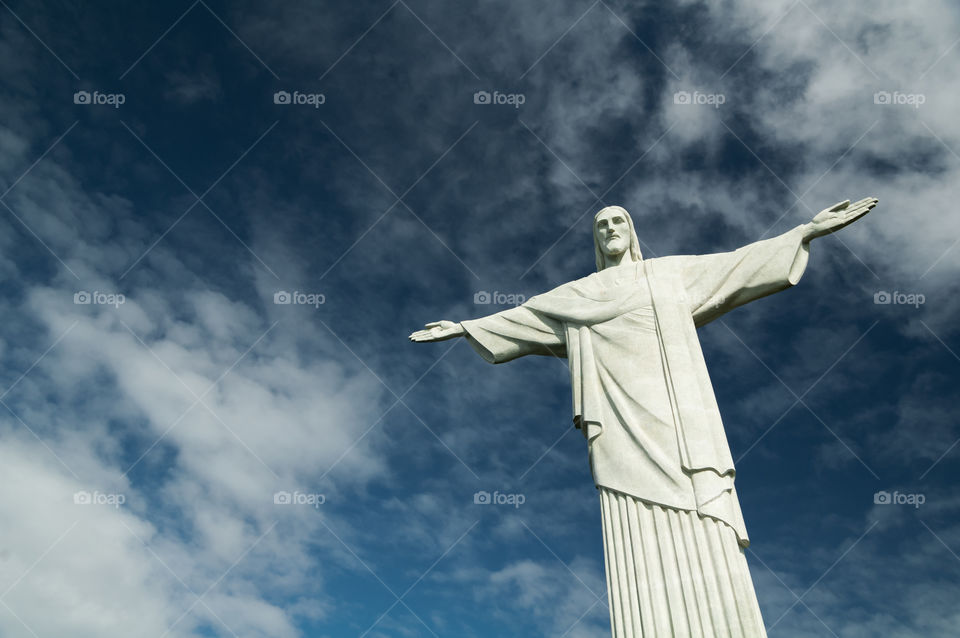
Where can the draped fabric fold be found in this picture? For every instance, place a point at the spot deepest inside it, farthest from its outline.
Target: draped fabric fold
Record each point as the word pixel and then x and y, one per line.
pixel 674 573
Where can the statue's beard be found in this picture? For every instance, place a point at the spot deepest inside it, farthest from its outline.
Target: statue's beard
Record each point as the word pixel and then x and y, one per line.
pixel 617 254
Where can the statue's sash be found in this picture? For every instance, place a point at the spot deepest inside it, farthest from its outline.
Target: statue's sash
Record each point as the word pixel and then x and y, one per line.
pixel 702 441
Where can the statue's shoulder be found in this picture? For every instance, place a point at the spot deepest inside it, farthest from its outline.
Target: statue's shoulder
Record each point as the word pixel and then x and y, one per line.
pixel 669 264
pixel 589 282
pixel 588 279
pixel 575 287
pixel 667 261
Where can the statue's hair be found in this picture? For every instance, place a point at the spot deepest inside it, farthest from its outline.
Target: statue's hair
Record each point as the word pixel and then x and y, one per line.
pixel 635 254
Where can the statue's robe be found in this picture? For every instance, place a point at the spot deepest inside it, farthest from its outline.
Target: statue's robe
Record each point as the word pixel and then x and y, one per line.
pixel 643 399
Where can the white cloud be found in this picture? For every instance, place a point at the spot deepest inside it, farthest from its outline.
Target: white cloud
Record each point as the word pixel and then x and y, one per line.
pixel 202 495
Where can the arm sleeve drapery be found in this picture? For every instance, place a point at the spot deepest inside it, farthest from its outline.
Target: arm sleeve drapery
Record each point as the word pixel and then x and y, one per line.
pixel 515 332
pixel 718 283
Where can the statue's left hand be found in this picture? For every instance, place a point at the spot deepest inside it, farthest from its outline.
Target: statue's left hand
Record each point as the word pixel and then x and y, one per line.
pixel 832 219
pixel 438 331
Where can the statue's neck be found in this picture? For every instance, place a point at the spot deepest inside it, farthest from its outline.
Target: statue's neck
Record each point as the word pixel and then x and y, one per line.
pixel 624 258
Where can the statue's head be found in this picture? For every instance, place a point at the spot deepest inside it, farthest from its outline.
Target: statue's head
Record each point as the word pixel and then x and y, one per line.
pixel 613 235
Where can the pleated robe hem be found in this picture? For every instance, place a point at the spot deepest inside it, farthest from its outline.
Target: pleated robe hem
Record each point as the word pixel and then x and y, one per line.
pixel 674 573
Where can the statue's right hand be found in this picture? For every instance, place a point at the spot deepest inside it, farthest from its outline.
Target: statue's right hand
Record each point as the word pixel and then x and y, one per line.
pixel 438 331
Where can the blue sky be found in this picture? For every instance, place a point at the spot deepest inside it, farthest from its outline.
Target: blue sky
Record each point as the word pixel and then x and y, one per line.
pixel 158 193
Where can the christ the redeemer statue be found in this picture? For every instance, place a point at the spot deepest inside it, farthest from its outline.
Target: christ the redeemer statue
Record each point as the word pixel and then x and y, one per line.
pixel 672 527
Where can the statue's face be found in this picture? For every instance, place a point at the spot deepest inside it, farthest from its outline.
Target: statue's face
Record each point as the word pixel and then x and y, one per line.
pixel 613 231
